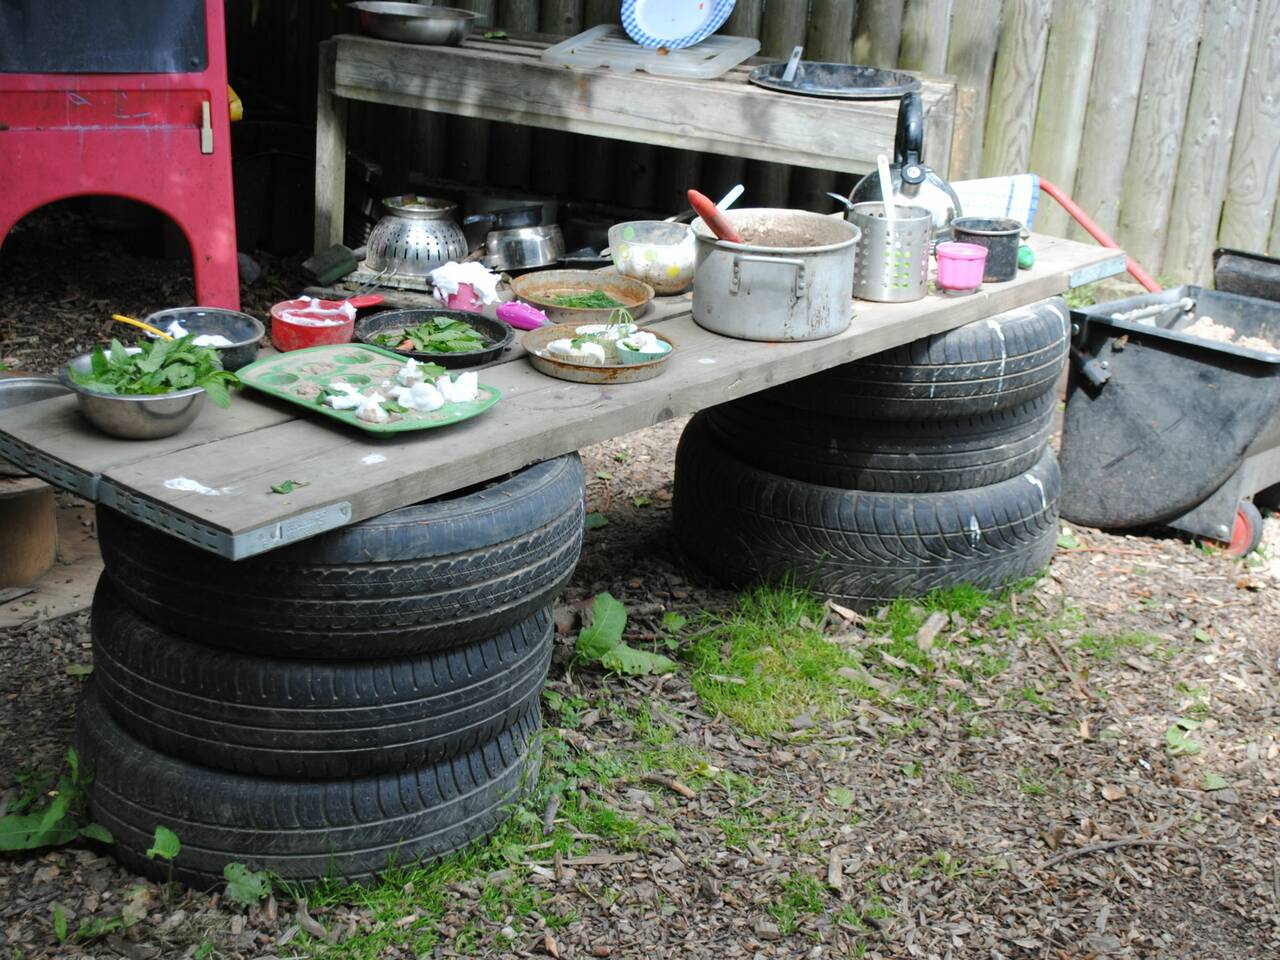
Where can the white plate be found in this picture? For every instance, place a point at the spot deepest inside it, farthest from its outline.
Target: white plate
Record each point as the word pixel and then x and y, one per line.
pixel 673 23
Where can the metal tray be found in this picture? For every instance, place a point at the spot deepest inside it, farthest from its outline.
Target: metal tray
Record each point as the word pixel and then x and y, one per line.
pixel 281 376
pixel 535 341
pixel 843 81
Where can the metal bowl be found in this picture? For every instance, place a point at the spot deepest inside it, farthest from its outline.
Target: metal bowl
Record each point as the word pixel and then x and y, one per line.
pixel 536 341
pixel 496 331
pixel 524 247
pixel 244 332
pixel 141 417
pixel 414 22
pixel 17 391
pixel 541 289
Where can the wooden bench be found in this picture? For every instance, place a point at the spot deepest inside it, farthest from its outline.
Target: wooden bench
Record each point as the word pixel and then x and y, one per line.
pixel 507 80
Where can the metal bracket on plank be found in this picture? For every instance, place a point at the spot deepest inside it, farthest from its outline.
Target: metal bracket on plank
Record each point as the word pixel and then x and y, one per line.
pixel 47 468
pixel 220 542
pixel 1098 271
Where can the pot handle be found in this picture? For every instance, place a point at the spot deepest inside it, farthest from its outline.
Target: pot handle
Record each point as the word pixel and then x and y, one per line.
pixel 797 284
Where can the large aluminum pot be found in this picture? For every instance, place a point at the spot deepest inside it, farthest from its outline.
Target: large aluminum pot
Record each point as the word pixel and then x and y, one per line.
pixel 792 278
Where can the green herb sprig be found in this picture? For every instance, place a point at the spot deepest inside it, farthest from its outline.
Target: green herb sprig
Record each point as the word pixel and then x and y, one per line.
pixel 595 300
pixel 436 335
pixel 160 366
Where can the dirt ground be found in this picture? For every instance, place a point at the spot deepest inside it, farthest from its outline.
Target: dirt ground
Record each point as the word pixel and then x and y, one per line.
pixel 1109 788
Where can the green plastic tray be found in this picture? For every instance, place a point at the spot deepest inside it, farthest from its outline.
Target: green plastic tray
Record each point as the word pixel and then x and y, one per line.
pixel 285 375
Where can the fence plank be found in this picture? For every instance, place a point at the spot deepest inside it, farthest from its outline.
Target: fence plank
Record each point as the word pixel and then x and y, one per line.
pixel 879 33
pixel 1064 98
pixel 1113 105
pixel 971 50
pixel 782 28
pixel 467 140
pixel 1201 183
pixel 1254 177
pixel 1157 130
pixel 511 144
pixel 745 21
pixel 926 29
pixel 829 39
pixel 561 16
pixel 1015 87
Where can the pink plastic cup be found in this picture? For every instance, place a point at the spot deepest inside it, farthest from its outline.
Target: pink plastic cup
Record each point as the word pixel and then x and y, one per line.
pixel 960 265
pixel 464 299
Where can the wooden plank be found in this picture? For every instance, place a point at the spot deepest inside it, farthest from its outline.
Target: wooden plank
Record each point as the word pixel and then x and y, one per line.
pixel 971 51
pixel 879 33
pixel 1015 88
pixel 539 417
pixel 829 39
pixel 709 116
pixel 1203 162
pixel 1113 106
pixel 561 17
pixel 331 154
pixel 926 30
pixel 781 31
pixel 1157 130
pixel 1064 97
pixel 1253 181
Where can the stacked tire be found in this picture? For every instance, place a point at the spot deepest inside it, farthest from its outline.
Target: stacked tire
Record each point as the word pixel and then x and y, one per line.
pixel 363 699
pixel 919 468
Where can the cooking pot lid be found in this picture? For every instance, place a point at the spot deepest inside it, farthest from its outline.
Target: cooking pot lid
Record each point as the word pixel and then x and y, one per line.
pixel 845 81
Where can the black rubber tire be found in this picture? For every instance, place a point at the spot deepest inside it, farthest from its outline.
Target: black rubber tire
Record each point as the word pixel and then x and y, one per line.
pixel 311 719
pixel 983 367
pixel 422 578
pixel 300 830
pixel 862 549
pixel 890 456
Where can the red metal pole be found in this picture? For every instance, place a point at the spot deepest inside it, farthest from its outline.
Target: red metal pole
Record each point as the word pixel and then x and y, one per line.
pixel 1097 233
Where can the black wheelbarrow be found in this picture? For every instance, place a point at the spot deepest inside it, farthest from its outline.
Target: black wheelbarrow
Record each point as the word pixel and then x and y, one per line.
pixel 1171 429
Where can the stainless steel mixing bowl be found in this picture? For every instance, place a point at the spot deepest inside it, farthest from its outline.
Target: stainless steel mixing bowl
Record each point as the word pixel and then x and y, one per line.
pixel 414 22
pixel 146 417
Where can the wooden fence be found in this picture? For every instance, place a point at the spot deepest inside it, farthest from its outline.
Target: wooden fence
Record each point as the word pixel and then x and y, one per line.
pixel 1160 117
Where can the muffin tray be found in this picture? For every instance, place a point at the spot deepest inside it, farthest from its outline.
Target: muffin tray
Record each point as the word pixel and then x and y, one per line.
pixel 300 376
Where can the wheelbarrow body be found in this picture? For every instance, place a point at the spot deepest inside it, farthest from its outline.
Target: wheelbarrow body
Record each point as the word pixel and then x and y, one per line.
pixel 1165 428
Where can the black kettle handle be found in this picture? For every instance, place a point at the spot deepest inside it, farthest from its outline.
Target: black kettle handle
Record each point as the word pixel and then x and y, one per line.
pixel 909 142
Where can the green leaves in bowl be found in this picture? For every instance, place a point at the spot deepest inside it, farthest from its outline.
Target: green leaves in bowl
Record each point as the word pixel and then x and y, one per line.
pixel 158 367
pixel 435 335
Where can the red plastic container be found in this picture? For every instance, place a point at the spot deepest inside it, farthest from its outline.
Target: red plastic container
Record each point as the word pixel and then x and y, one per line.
pixel 286 334
pixel 960 265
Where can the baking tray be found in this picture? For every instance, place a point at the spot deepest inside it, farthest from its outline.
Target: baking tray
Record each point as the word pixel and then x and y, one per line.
pixel 535 341
pixel 284 375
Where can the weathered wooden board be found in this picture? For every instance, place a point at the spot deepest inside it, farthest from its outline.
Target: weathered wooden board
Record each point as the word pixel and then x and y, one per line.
pixel 353 476
pixel 1113 105
pixel 1015 88
pixel 1204 160
pixel 971 50
pixel 926 29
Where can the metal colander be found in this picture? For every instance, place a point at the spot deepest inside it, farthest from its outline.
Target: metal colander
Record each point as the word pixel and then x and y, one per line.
pixel 417 235
pixel 892 264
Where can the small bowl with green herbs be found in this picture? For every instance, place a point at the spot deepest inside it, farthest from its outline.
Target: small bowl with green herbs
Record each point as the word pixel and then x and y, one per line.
pixel 149 391
pixel 451 338
pixel 582 296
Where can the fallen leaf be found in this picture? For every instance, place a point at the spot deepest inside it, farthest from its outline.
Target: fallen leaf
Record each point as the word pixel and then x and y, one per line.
pixel 1113 792
pixel 1213 781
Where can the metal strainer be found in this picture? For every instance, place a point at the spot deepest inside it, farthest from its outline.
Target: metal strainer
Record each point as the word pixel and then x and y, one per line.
pixel 417 235
pixel 893 262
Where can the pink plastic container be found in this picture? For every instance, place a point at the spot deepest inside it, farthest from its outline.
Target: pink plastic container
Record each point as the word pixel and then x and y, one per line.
pixel 960 265
pixel 318 322
pixel 464 299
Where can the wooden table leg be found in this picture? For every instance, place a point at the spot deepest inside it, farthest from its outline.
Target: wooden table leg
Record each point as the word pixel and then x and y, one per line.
pixel 331 153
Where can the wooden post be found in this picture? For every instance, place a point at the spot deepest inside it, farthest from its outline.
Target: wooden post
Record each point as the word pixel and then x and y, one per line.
pixel 829 39
pixel 745 21
pixel 926 29
pixel 511 143
pixel 552 150
pixel 1157 130
pixel 782 29
pixel 1064 97
pixel 466 139
pixel 1015 87
pixel 1253 180
pixel 1201 184
pixel 597 155
pixel 971 51
pixel 28 530
pixel 331 154
pixel 1113 104
pixel 879 33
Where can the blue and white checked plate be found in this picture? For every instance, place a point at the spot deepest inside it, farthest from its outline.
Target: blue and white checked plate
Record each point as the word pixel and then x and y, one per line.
pixel 673 23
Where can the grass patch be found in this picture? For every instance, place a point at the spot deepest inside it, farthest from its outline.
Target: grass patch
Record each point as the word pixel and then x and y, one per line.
pixel 802 895
pixel 1113 646
pixel 768 667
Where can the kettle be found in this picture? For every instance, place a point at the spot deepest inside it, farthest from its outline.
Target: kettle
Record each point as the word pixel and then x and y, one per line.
pixel 914 184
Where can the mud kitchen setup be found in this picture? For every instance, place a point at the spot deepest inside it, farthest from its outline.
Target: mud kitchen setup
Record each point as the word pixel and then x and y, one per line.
pixel 382 474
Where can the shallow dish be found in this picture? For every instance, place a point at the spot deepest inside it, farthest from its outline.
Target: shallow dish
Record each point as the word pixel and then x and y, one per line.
pixel 673 23
pixel 535 341
pixel 414 22
pixel 498 333
pixel 133 416
pixel 540 290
